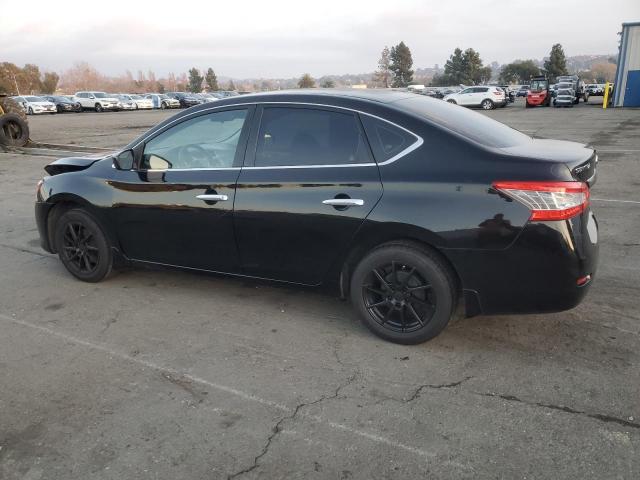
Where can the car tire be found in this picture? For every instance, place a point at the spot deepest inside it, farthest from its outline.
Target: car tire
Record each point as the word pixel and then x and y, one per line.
pixel 82 246
pixel 487 104
pixel 526 104
pixel 98 108
pixel 30 111
pixel 452 101
pixel 14 130
pixel 163 106
pixel 404 293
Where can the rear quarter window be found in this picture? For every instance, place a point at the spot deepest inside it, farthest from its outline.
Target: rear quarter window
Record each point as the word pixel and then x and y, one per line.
pixel 386 140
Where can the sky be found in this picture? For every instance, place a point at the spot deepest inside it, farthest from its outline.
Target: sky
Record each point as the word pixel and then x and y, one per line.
pixel 282 39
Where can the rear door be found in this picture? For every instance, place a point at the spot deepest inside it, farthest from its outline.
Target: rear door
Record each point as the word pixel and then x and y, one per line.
pixel 307 185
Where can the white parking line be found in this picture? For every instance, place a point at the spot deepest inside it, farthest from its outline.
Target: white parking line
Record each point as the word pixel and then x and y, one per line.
pixel 223 388
pixel 614 201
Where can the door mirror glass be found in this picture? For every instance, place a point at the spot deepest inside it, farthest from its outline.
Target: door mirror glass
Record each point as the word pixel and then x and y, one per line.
pixel 92 97
pixel 124 161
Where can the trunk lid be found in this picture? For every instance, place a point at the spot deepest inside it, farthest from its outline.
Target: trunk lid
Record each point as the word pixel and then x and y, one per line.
pixel 580 159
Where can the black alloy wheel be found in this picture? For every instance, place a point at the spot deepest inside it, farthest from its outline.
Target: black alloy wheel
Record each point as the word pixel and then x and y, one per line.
pixel 82 246
pixel 99 108
pixel 403 292
pixel 398 297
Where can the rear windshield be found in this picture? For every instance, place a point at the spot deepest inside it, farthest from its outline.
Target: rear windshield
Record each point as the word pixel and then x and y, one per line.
pixel 467 123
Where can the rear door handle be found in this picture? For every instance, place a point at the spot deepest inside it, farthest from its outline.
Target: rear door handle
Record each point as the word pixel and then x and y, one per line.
pixel 344 202
pixel 212 197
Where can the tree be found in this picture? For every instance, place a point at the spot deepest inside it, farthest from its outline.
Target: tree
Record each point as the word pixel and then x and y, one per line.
pixel 195 80
pixel 382 77
pixel 557 63
pixel 400 66
pixel 306 81
pixel 464 68
pixel 50 82
pixel 231 87
pixel 519 71
pixel 328 83
pixel 211 80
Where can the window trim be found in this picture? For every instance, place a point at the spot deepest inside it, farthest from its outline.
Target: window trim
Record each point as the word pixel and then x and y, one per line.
pixel 253 106
pixel 240 148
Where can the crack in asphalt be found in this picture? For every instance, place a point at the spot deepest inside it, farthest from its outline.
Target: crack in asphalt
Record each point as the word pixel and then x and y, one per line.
pixel 562 408
pixel 420 389
pixel 276 430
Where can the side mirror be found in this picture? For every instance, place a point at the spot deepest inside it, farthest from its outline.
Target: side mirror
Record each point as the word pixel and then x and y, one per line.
pixel 92 97
pixel 124 160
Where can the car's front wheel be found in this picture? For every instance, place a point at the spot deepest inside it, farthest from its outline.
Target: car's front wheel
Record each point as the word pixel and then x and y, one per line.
pixel 82 246
pixel 452 101
pixel 163 106
pixel 487 104
pixel 30 111
pixel 403 293
pixel 99 108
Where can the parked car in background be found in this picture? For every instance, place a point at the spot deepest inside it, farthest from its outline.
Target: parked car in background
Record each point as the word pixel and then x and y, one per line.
pixel 205 97
pixel 63 104
pixel 162 101
pixel 97 101
pixel 142 102
pixel 33 105
pixel 565 97
pixel 522 91
pixel 595 89
pixel 126 102
pixel 305 205
pixel 485 97
pixel 511 95
pixel 186 99
pixel 577 85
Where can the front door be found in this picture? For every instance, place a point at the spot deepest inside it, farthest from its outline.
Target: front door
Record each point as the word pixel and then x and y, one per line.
pixel 308 184
pixel 177 207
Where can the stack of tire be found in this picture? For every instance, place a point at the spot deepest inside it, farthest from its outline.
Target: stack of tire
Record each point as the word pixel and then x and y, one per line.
pixel 14 129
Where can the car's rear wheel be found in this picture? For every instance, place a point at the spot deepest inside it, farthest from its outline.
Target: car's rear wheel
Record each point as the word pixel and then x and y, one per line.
pixel 98 108
pixel 487 104
pixel 30 111
pixel 82 246
pixel 403 293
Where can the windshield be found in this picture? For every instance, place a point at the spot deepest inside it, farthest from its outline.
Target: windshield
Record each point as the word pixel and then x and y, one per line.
pixel 34 99
pixel 135 97
pixel 163 96
pixel 99 94
pixel 467 123
pixel 538 85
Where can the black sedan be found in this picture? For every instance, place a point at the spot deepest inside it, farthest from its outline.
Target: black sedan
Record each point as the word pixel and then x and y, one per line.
pixel 63 104
pixel 406 204
pixel 186 99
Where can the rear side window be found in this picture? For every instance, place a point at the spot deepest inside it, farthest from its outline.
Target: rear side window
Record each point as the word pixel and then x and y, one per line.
pixel 386 140
pixel 305 136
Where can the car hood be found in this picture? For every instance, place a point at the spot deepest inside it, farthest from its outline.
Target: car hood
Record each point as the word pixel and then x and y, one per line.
pixel 42 104
pixel 73 164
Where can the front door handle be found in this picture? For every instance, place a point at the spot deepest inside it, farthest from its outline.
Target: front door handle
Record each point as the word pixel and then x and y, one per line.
pixel 344 202
pixel 212 197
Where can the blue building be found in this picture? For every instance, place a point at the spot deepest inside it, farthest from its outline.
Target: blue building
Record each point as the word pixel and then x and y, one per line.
pixel 627 81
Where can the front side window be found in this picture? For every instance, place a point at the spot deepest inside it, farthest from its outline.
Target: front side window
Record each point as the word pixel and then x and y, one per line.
pixel 304 136
pixel 207 141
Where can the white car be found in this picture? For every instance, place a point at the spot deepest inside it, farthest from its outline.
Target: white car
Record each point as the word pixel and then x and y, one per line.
pixel 98 101
pixel 33 105
pixel 162 101
pixel 140 101
pixel 486 97
pixel 126 102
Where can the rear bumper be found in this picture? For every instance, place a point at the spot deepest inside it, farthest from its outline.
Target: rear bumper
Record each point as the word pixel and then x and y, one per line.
pixel 42 210
pixel 538 273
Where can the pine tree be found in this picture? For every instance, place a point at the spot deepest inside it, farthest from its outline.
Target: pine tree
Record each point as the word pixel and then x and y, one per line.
pixel 211 80
pixel 195 80
pixel 401 63
pixel 557 63
pixel 454 68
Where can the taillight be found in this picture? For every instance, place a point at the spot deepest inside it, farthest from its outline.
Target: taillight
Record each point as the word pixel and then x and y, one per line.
pixel 548 200
pixel 497 93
